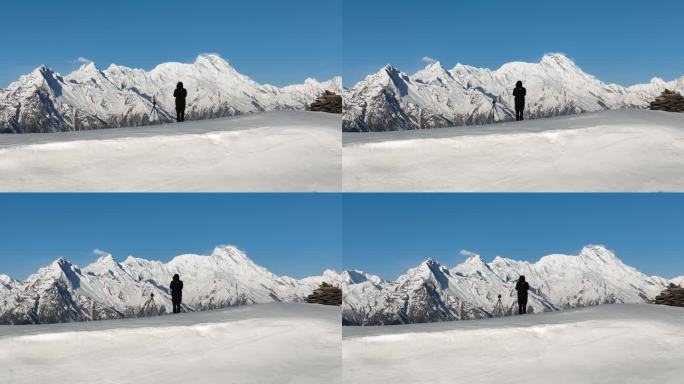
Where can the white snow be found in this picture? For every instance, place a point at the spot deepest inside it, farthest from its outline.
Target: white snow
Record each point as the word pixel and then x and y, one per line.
pixel 604 151
pixel 272 343
pixel 284 151
pixel 625 343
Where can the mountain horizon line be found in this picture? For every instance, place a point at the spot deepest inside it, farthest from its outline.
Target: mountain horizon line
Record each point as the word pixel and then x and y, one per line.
pixel 104 256
pixel 439 63
pixel 91 63
pixel 474 256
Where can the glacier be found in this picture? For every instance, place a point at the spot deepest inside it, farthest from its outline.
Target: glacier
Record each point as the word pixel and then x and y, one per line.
pixel 265 343
pixel 622 343
pixel 432 292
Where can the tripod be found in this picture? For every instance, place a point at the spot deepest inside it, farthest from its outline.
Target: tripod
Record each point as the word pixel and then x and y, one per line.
pixel 155 111
pixel 498 309
pixel 493 115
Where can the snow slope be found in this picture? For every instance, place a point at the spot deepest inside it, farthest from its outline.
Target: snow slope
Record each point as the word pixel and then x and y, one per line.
pixel 107 289
pixel 270 343
pixel 635 151
pixel 91 98
pixel 391 100
pixel 267 152
pixel 433 292
pixel 620 344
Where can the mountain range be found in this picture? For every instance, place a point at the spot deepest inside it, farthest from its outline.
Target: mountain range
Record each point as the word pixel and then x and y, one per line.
pixel 433 292
pixel 107 289
pixel 92 98
pixel 433 97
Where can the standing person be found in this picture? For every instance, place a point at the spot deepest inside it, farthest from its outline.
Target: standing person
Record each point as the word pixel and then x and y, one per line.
pixel 519 92
pixel 180 93
pixel 176 288
pixel 522 287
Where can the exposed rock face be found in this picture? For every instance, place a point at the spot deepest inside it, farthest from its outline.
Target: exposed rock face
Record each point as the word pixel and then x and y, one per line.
pixel 673 295
pixel 326 294
pixel 669 101
pixel 327 102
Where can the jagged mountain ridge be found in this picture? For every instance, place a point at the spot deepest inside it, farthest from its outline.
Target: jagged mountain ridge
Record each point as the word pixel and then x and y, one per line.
pixel 435 97
pixel 433 292
pixel 91 98
pixel 107 289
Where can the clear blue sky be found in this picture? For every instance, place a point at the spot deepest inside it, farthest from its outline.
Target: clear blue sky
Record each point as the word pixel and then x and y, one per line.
pixel 293 234
pixel 272 41
pixel 386 234
pixel 624 42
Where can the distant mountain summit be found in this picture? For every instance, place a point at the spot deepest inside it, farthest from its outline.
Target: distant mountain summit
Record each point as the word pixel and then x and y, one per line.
pixel 107 289
pixel 91 98
pixel 391 100
pixel 433 292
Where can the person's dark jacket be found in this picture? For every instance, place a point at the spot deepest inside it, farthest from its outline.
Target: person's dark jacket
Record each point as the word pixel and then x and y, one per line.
pixel 522 287
pixel 176 288
pixel 180 94
pixel 519 93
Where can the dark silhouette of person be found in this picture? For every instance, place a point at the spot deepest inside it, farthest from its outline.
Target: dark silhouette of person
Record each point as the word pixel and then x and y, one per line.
pixel 522 287
pixel 176 288
pixel 180 93
pixel 519 93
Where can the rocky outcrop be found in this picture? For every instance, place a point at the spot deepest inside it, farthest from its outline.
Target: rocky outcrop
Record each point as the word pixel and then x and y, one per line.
pixel 669 101
pixel 672 295
pixel 327 102
pixel 326 294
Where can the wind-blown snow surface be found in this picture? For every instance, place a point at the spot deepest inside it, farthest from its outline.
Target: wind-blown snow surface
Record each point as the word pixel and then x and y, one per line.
pixel 391 100
pixel 629 151
pixel 270 343
pixel 620 344
pixel 433 292
pixel 286 151
pixel 136 287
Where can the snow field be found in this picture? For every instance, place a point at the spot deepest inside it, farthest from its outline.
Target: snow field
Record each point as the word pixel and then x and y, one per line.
pixel 628 343
pixel 268 152
pixel 633 151
pixel 271 343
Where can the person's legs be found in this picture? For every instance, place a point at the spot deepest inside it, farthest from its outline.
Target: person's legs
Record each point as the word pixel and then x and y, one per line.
pixel 522 110
pixel 178 115
pixel 183 114
pixel 524 304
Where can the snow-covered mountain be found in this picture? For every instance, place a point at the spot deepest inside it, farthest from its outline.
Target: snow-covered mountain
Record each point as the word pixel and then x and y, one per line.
pixel 433 97
pixel 107 289
pixel 91 98
pixel 433 292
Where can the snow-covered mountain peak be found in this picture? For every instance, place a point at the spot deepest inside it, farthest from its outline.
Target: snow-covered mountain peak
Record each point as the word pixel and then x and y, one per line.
pixel 6 280
pixel 214 62
pixel 428 270
pixel 557 59
pixel 430 292
pixel 105 289
pixel 432 72
pixel 88 98
pixel 104 264
pixel 599 253
pixel 230 252
pixel 391 100
pixel 353 276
